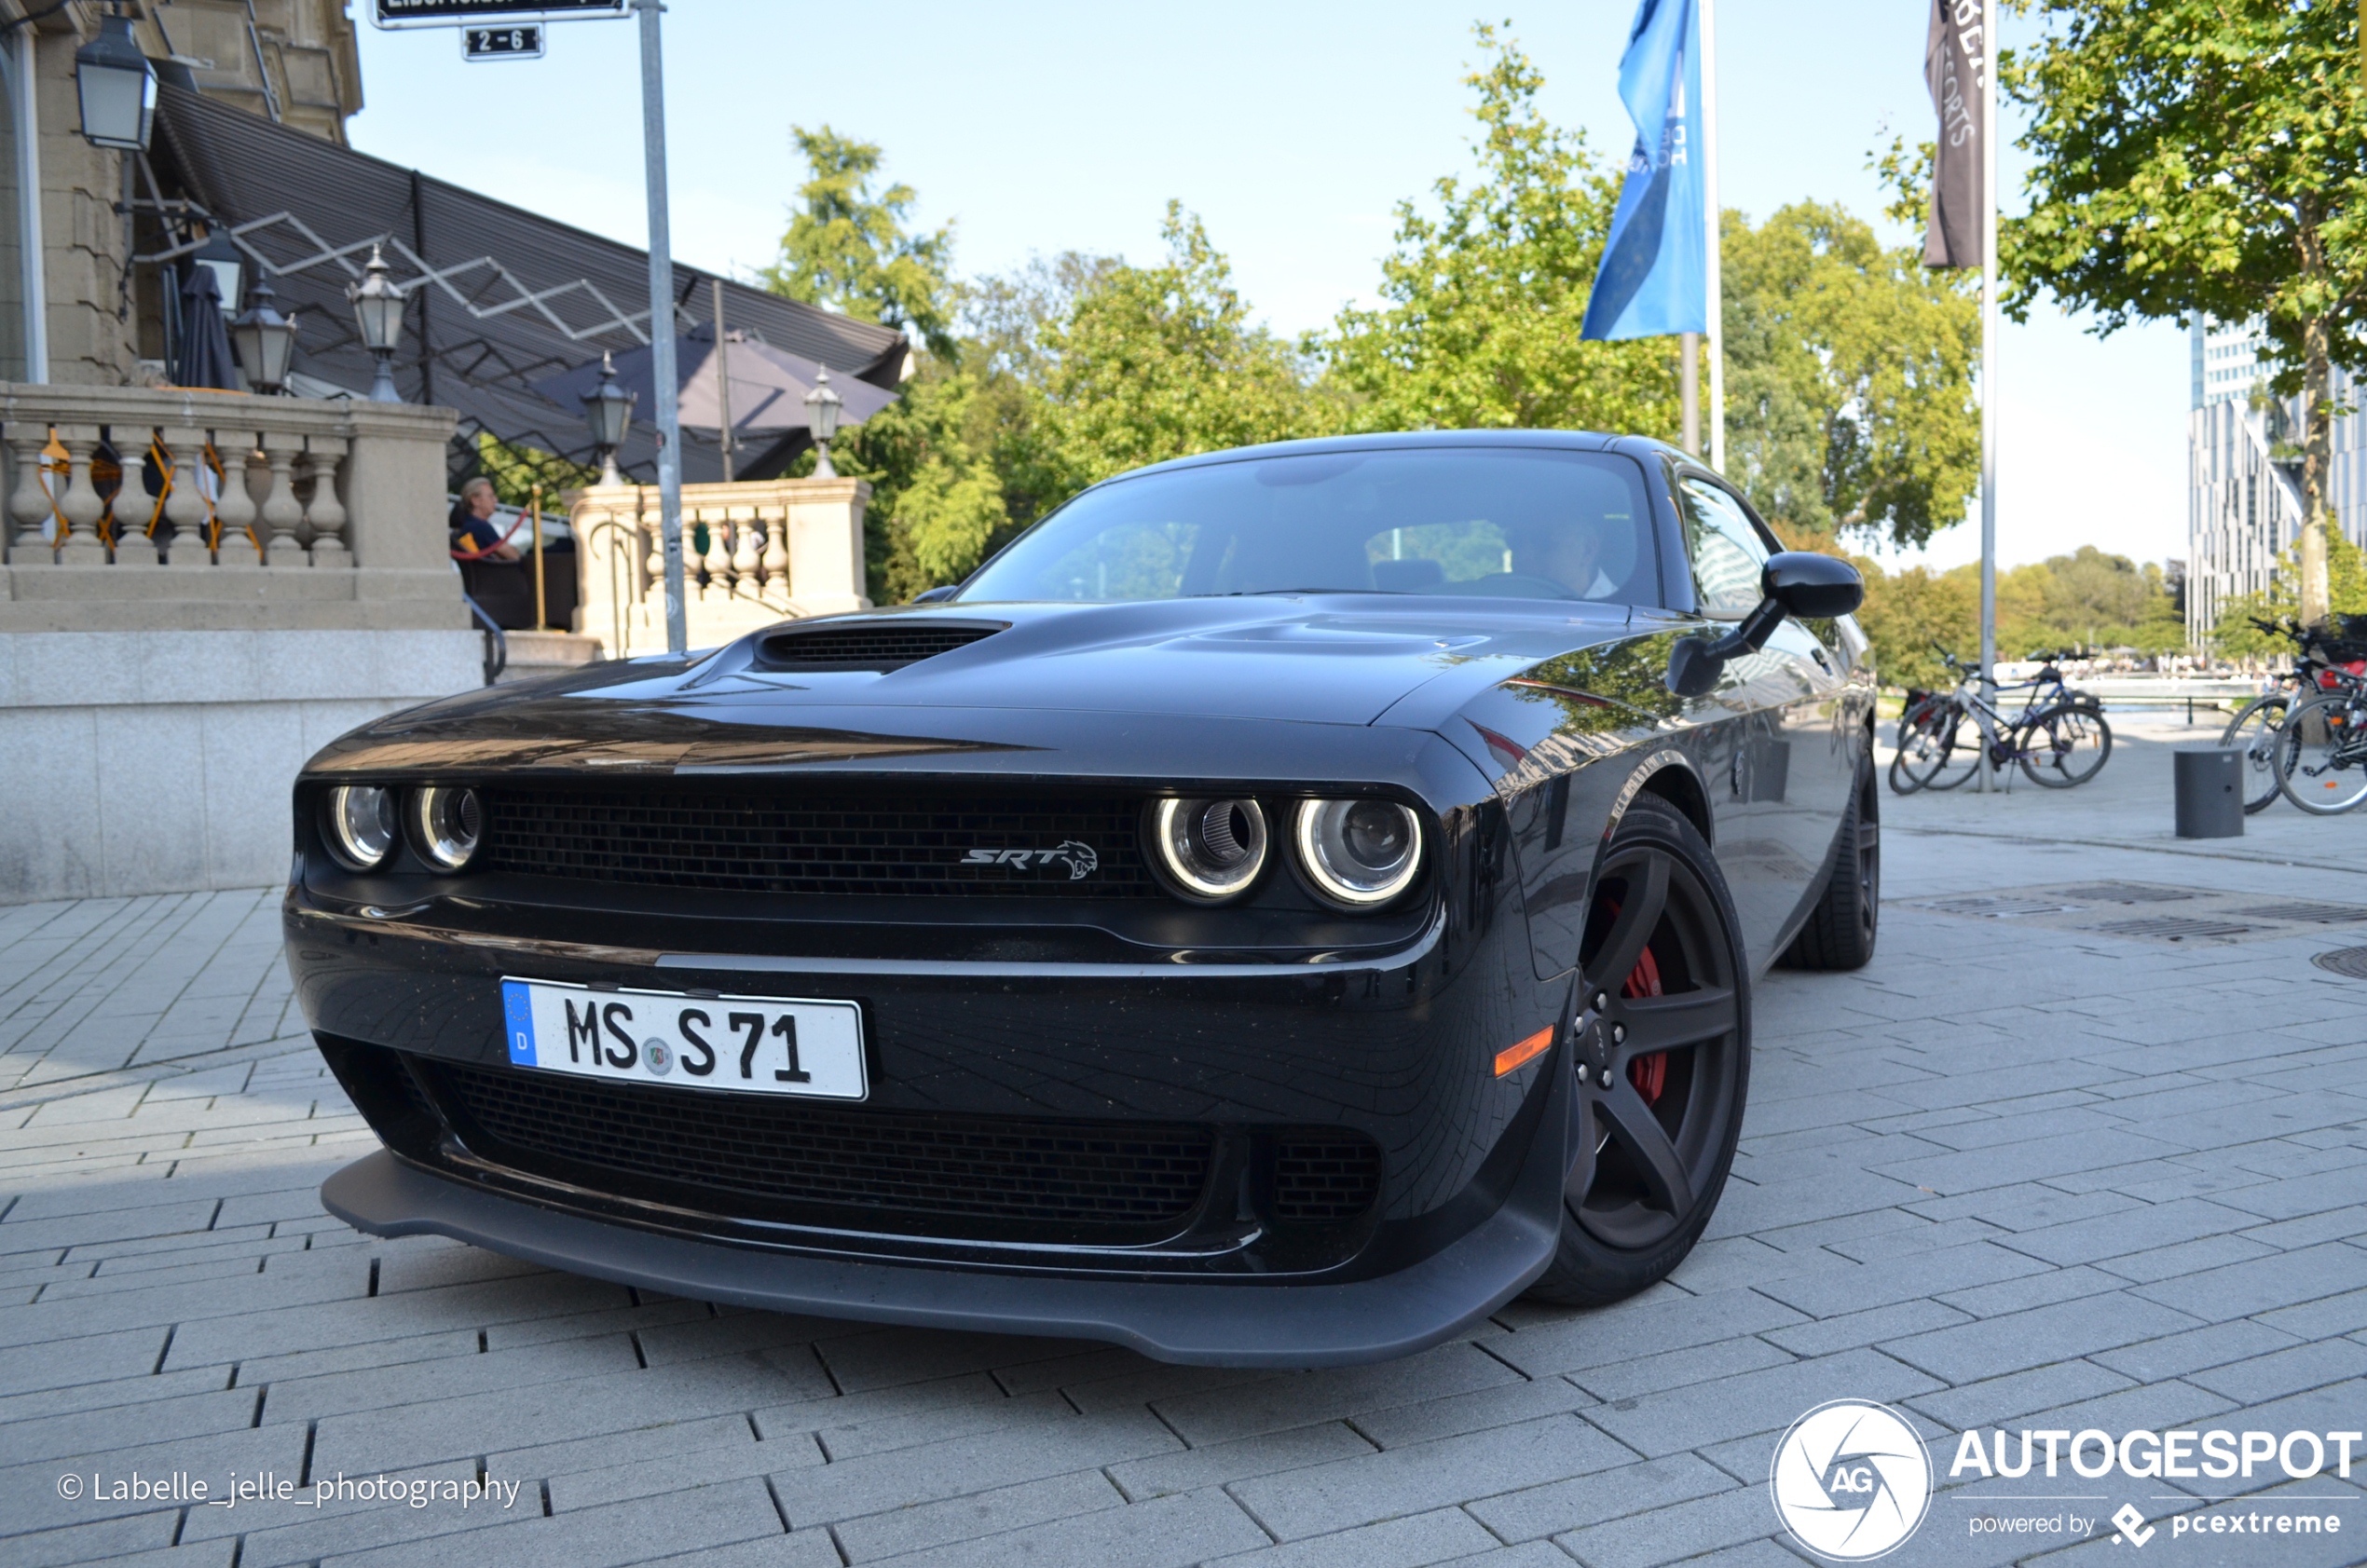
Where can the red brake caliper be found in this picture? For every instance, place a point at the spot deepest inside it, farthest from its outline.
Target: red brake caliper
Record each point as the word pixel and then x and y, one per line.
pixel 1649 1074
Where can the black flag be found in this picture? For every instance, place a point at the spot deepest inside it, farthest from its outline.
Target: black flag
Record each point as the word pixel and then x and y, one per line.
pixel 1956 66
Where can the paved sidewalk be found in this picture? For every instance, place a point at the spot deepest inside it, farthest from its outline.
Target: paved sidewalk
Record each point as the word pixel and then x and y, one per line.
pixel 2011 1175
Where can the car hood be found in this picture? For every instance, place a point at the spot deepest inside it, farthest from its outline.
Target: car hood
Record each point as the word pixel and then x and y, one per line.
pixel 1330 658
pixel 1344 660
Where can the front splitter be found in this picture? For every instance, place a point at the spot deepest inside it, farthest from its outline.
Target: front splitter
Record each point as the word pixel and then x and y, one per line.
pixel 1234 1324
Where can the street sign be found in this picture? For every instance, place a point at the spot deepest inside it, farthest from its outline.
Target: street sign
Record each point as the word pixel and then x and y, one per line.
pixel 457 13
pixel 523 42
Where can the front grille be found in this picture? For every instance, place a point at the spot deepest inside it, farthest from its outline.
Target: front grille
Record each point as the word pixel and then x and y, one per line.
pixel 1323 1178
pixel 876 844
pixel 695 1145
pixel 864 647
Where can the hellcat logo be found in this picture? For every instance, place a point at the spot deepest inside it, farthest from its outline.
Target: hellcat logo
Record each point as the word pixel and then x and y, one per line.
pixel 1079 858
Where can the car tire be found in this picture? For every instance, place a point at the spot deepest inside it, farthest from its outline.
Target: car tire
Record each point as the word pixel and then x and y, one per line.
pixel 1846 917
pixel 1652 1130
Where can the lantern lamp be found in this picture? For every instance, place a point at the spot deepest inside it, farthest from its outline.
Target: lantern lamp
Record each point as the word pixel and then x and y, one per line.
pixel 117 88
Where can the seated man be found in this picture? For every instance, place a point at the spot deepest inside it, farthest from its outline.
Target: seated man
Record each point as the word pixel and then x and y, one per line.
pixel 473 529
pixel 1569 555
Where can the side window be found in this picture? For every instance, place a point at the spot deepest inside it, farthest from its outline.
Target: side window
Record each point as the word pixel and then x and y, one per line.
pixel 1726 550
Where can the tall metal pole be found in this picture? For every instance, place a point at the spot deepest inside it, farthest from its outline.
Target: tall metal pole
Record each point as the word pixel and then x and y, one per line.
pixel 723 380
pixel 1710 237
pixel 1689 384
pixel 669 391
pixel 1988 391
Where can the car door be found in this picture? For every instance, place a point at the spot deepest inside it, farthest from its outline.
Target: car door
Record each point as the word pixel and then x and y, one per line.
pixel 1797 767
pixel 1745 747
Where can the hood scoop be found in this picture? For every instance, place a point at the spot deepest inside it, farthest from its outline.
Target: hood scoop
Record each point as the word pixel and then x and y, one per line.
pixel 879 646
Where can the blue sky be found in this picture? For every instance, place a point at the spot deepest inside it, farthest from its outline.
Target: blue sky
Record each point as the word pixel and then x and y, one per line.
pixel 1291 127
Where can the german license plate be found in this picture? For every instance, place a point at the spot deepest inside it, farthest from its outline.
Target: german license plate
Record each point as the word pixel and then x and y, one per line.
pixel 746 1044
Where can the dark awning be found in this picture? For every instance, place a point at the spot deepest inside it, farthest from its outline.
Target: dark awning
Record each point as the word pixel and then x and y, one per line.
pixel 501 298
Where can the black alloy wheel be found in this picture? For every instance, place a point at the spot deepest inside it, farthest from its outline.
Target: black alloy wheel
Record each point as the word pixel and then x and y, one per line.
pixel 1660 1044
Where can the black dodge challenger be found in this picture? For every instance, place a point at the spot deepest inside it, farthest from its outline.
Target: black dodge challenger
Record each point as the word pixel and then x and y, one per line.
pixel 1288 903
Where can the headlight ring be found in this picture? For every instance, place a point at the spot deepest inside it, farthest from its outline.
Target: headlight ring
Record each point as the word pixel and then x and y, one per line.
pixel 448 824
pixel 1208 852
pixel 357 822
pixel 1357 853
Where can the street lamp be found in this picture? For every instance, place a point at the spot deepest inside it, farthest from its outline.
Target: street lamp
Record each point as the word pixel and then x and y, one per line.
pixel 607 408
pixel 264 339
pixel 220 256
pixel 377 307
pixel 116 86
pixel 821 406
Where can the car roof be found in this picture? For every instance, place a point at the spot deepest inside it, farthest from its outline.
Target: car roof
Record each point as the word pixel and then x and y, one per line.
pixel 1572 441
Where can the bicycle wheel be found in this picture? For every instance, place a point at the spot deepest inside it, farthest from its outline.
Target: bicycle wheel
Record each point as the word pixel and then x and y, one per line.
pixel 1930 754
pixel 2253 730
pixel 2065 746
pixel 2322 755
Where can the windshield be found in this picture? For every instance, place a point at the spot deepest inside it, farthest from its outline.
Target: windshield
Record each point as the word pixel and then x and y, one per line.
pixel 1517 522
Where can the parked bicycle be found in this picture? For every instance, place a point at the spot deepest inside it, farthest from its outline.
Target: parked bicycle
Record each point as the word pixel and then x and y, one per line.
pixel 2059 739
pixel 2322 663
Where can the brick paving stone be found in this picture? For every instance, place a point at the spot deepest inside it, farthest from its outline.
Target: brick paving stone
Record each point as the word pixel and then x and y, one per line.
pixel 2279 1373
pixel 1378 1486
pixel 1442 1535
pixel 1243 1459
pixel 2018 1339
pixel 1763 1401
pixel 1673 1533
pixel 979 1514
pixel 1558 1506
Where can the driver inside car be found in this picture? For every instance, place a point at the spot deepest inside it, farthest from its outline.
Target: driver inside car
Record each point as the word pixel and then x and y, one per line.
pixel 1562 554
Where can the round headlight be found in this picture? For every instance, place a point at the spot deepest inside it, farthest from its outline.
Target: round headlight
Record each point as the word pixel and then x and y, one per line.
pixel 1359 854
pixel 358 821
pixel 1210 849
pixel 446 826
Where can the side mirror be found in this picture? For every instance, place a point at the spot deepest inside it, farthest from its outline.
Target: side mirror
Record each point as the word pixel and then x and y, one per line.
pixel 1796 583
pixel 935 596
pixel 1812 587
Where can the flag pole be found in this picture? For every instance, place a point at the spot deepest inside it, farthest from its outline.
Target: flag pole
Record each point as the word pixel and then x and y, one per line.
pixel 1988 387
pixel 1716 303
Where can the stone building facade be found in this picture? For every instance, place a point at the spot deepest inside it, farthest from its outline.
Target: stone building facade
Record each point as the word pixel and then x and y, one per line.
pixel 2243 487
pixel 67 313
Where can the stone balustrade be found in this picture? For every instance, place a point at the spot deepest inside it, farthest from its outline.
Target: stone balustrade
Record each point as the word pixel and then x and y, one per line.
pixel 219 499
pixel 753 554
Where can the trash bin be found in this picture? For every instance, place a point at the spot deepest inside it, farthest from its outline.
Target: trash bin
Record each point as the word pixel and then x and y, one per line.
pixel 2209 783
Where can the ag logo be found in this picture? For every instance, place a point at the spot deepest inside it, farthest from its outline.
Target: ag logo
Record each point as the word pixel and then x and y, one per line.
pixel 1079 858
pixel 1851 1480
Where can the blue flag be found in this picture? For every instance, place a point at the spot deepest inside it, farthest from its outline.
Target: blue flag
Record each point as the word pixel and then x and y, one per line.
pixel 1653 280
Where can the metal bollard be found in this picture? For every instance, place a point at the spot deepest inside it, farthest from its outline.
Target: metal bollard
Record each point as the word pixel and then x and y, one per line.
pixel 2209 782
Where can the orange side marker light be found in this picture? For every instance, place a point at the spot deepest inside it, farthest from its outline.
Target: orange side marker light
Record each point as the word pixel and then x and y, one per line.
pixel 1527 1050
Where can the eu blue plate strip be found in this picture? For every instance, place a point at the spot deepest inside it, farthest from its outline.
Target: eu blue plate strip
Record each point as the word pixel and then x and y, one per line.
pixel 519 1006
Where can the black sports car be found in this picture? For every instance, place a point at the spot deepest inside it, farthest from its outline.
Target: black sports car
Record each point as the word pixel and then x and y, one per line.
pixel 1285 905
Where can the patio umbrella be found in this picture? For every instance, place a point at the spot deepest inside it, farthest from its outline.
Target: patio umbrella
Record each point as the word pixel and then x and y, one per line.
pixel 768 385
pixel 205 342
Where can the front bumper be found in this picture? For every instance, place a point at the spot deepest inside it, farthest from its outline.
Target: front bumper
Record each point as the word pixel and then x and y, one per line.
pixel 1232 1323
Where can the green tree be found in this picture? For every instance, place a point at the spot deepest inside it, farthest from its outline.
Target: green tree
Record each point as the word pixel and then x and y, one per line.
pixel 1849 405
pixel 847 248
pixel 2347 594
pixel 2205 156
pixel 1907 612
pixel 1482 306
pixel 1153 362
